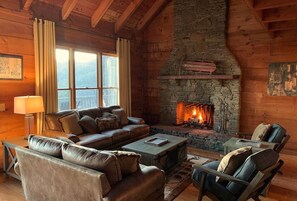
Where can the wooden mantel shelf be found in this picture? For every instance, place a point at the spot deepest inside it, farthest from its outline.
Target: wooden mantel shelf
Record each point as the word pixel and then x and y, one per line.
pixel 199 77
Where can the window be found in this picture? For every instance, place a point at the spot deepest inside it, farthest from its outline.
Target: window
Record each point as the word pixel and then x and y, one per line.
pixel 86 79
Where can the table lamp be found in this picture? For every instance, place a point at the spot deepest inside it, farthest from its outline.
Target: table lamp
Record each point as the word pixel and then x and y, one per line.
pixel 28 105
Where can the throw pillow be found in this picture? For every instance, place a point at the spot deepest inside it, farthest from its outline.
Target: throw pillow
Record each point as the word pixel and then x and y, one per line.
pixel 70 124
pixel 88 124
pixel 49 146
pixel 260 132
pixel 233 160
pixel 129 161
pixel 107 123
pixel 122 116
pixel 102 161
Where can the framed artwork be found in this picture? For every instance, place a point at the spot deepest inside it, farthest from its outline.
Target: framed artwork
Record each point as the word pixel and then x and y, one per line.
pixel 11 67
pixel 282 79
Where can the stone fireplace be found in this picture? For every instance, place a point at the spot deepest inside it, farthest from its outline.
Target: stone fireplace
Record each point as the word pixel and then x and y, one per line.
pixel 199 35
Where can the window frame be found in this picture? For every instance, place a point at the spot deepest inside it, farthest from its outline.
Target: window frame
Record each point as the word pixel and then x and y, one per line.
pixel 71 70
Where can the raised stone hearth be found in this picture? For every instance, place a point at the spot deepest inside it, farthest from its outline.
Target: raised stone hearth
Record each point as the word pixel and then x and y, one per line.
pixel 199 35
pixel 197 138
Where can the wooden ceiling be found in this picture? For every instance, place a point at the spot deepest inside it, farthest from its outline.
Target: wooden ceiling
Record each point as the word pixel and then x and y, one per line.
pixel 275 16
pixel 124 16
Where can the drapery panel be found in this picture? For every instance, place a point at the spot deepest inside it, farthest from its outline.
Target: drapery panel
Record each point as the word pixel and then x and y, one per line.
pixel 45 67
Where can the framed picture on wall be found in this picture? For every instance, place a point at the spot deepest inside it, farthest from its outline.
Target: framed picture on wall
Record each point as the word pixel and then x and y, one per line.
pixel 282 79
pixel 11 67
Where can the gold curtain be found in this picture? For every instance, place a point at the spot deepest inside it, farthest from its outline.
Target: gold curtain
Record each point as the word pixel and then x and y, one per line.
pixel 45 67
pixel 123 52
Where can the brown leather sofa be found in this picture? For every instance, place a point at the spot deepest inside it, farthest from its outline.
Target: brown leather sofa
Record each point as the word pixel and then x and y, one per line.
pixel 51 169
pixel 132 130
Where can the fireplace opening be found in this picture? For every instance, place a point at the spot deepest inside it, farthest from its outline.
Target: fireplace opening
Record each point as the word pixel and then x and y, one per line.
pixel 194 115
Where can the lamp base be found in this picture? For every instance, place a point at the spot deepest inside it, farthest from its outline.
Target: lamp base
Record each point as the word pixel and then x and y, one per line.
pixel 29 124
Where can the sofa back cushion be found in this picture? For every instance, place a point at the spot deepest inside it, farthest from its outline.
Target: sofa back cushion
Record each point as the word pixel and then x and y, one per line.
pixel 277 133
pixel 110 108
pixel 70 124
pixel 121 115
pixel 88 124
pixel 102 161
pixel 52 121
pixel 129 161
pixel 254 163
pixel 91 112
pixel 49 146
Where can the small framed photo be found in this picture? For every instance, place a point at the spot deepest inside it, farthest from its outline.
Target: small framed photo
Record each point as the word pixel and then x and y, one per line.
pixel 11 67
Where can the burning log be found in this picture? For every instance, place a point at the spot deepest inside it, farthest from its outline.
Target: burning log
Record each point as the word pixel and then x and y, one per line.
pixel 200 66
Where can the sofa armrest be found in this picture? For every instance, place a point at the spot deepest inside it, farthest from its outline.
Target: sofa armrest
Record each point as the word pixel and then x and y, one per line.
pixel 135 120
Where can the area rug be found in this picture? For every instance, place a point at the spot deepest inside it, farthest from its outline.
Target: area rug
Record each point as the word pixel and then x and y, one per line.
pixel 180 177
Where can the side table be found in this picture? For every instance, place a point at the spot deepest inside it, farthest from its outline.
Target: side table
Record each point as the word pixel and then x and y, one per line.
pixel 9 157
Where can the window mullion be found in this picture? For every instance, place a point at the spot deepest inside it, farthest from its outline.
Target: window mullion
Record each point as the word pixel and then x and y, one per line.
pixel 99 78
pixel 72 78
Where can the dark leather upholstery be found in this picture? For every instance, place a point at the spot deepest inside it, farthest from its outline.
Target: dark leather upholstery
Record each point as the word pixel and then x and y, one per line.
pixel 52 121
pixel 276 134
pixel 91 112
pixel 94 140
pixel 46 145
pixel 136 130
pixel 254 163
pixel 117 135
pixel 102 161
pixel 150 178
pixel 211 185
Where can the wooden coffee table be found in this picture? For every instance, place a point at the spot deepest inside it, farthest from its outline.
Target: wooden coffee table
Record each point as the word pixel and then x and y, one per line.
pixel 165 156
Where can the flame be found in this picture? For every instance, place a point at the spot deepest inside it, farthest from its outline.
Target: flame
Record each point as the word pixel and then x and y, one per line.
pixel 200 117
pixel 194 112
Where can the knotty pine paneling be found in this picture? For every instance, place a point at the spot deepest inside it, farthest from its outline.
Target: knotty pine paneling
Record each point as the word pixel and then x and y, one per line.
pixel 16 37
pixel 157 40
pixel 255 50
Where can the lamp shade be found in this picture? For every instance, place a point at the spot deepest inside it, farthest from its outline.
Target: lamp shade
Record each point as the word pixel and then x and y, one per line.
pixel 28 104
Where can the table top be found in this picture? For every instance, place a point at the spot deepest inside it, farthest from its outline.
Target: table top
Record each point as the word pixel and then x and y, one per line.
pixel 15 142
pixel 143 148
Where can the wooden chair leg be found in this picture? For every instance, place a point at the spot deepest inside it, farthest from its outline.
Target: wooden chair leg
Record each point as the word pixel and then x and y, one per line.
pixel 201 189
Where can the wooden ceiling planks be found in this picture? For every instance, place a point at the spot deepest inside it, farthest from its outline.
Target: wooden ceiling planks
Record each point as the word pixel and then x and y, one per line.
pixel 27 4
pixel 68 6
pixel 275 16
pixel 100 11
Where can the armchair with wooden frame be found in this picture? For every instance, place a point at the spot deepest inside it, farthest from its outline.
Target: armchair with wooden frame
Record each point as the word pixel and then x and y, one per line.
pixel 275 134
pixel 249 181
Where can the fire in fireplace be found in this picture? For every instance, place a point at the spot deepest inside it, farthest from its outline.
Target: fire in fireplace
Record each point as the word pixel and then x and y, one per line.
pixel 194 115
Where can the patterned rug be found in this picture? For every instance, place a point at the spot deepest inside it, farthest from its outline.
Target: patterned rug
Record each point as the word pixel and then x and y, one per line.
pixel 180 177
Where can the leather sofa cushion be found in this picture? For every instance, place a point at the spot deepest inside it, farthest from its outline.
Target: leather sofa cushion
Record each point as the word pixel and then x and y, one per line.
pixel 91 112
pixel 277 134
pixel 49 146
pixel 233 160
pixel 107 123
pixel 129 161
pixel 117 135
pixel 102 161
pixel 150 179
pixel 97 141
pixel 110 108
pixel 254 163
pixel 88 124
pixel 137 130
pixel 52 121
pixel 122 116
pixel 211 185
pixel 70 124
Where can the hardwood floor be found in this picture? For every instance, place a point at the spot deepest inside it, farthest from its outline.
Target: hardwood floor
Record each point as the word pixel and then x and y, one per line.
pixel 283 188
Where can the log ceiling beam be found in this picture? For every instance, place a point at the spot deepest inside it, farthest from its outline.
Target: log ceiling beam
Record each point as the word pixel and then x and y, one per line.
pixel 127 14
pixel 27 4
pixel 268 4
pixel 150 14
pixel 258 15
pixel 284 25
pixel 100 11
pixel 280 14
pixel 68 6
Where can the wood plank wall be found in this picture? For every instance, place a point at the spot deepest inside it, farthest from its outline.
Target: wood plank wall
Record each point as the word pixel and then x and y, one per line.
pixel 255 50
pixel 157 46
pixel 16 38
